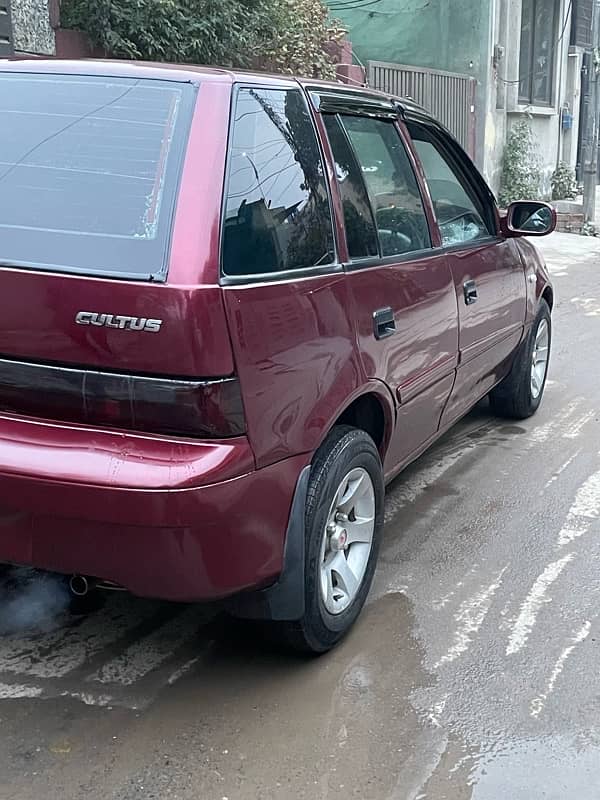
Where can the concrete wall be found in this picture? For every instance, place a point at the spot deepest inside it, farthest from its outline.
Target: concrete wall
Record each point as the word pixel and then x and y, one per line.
pixel 31 27
pixel 504 31
pixel 443 34
pixel 451 35
pixel 573 98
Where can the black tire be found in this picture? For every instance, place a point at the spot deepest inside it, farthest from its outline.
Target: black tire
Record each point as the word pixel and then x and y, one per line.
pixel 344 449
pixel 513 397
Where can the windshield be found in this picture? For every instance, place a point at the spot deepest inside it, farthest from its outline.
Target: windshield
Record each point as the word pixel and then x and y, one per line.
pixel 88 171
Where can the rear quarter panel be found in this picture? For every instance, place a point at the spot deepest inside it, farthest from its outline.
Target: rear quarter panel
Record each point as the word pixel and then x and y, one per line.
pixel 294 347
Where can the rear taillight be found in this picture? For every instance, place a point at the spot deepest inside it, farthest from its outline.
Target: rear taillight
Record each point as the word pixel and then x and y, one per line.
pixel 210 408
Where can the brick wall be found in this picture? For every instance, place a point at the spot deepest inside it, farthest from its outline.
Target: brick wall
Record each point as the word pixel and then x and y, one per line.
pixel 347 71
pixel 569 222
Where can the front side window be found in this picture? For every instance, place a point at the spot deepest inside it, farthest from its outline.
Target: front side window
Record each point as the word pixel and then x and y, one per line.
pixel 392 185
pixel 538 44
pixel 277 213
pixel 460 213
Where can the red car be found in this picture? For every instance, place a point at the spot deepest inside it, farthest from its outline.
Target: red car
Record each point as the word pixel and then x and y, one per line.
pixel 233 307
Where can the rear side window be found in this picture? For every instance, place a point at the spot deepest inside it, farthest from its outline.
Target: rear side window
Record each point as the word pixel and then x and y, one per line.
pixel 89 169
pixel 277 213
pixel 392 184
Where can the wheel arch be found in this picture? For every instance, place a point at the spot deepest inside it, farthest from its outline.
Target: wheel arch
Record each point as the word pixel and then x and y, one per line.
pixel 371 411
pixel 548 296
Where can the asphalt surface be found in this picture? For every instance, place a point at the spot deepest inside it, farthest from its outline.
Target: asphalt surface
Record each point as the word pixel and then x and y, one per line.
pixel 473 672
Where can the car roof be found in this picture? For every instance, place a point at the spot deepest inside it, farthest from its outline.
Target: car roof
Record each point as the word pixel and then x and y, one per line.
pixel 184 72
pixel 115 68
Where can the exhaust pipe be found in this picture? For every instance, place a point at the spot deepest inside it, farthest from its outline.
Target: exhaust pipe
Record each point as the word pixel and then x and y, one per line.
pixel 79 585
pixel 109 586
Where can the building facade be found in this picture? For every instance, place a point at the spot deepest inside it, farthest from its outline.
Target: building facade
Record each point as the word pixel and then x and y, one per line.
pixel 535 60
pixel 525 56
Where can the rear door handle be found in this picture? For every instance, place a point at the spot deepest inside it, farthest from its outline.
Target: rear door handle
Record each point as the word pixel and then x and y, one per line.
pixel 384 324
pixel 470 290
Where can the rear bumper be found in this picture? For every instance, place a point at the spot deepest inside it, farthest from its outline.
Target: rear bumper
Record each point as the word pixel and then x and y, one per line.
pixel 169 529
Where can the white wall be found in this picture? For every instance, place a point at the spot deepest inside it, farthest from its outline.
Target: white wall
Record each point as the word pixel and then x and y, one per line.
pixel 503 108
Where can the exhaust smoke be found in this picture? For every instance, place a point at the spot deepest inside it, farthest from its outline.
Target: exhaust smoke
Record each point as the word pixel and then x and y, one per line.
pixel 31 600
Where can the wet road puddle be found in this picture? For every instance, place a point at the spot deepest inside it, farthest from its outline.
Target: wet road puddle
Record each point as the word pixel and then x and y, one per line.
pixel 470 674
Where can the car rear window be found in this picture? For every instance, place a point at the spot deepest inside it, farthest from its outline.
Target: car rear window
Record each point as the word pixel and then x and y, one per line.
pixel 89 170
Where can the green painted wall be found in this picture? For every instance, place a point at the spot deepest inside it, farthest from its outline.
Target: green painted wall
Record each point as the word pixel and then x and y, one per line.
pixel 450 35
pixel 443 34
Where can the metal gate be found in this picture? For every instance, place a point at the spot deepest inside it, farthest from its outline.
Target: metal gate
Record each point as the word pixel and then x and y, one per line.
pixel 448 96
pixel 6 46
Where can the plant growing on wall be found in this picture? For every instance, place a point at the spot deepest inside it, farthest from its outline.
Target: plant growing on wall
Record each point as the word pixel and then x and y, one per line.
pixel 521 172
pixel 564 185
pixel 296 36
pixel 283 35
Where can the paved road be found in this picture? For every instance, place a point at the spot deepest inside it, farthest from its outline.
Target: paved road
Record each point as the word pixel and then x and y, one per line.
pixel 473 673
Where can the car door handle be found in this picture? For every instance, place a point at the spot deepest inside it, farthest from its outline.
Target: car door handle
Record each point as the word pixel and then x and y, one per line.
pixel 470 290
pixel 384 324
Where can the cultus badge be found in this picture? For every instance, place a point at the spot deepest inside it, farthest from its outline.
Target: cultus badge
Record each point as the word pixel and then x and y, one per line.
pixel 118 321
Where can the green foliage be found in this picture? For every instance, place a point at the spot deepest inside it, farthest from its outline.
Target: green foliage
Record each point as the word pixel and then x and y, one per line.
pixel 296 36
pixel 564 185
pixel 521 171
pixel 282 35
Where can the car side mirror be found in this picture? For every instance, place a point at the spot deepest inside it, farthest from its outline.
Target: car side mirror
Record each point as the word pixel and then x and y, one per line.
pixel 528 218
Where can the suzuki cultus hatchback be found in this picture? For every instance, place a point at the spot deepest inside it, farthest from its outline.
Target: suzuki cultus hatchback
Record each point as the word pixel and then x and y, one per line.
pixel 232 307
